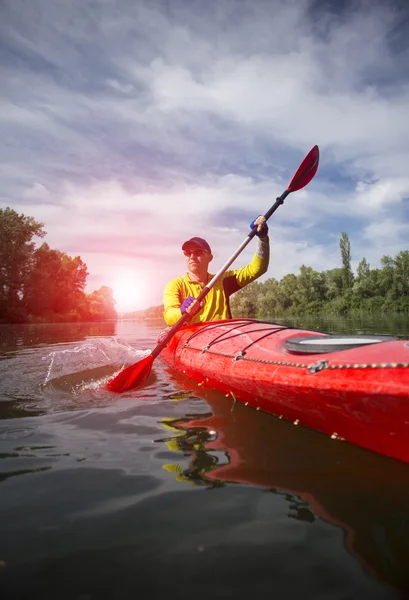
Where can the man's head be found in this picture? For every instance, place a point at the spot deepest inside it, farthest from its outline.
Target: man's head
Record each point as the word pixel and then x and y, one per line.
pixel 197 242
pixel 198 256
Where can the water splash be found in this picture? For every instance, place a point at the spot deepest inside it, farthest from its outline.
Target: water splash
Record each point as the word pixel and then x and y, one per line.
pixel 92 355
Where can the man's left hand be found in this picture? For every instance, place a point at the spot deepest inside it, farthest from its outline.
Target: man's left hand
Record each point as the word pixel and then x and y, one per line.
pixel 262 227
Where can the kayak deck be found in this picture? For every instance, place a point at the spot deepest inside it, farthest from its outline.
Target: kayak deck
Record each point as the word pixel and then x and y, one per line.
pixel 359 394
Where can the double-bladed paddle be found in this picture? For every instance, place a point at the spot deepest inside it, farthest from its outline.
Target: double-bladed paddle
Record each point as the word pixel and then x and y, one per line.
pixel 135 374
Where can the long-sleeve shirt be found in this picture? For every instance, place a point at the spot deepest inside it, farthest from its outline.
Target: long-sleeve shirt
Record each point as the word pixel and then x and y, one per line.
pixel 216 303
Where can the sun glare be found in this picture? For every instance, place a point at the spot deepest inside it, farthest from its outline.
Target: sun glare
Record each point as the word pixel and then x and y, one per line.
pixel 127 293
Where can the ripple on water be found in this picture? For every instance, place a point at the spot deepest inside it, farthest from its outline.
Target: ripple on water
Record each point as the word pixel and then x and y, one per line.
pixel 19 433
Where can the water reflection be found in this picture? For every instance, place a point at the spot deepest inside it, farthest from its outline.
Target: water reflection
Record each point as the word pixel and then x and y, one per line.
pixel 365 494
pixel 14 337
pixel 396 324
pixel 17 409
pixel 191 442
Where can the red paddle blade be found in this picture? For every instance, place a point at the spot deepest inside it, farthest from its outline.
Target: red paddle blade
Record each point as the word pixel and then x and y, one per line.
pixel 131 377
pixel 306 170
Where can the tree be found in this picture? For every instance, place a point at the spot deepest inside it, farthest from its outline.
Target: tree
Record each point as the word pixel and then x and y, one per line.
pixel 333 283
pixel 55 285
pixel 287 291
pixel 363 270
pixel 386 276
pixel 16 255
pixel 401 273
pixel 244 302
pixel 269 304
pixel 347 275
pixel 100 305
pixel 71 283
pixel 41 283
pixel 310 285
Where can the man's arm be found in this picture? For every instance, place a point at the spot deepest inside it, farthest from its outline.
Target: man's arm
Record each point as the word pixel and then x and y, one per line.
pixel 172 302
pixel 258 266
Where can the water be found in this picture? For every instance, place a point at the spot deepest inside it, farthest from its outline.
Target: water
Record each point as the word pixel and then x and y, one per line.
pixel 171 491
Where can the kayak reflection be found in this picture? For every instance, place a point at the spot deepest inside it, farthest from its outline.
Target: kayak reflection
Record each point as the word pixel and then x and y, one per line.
pixel 365 494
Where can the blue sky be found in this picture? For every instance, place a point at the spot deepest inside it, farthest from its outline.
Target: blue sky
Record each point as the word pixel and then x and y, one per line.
pixel 129 126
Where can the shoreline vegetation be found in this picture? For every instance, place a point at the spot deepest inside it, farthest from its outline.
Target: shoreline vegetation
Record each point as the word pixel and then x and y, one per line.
pixel 335 292
pixel 42 285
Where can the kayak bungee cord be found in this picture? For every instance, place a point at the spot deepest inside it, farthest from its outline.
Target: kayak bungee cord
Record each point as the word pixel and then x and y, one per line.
pixel 227 336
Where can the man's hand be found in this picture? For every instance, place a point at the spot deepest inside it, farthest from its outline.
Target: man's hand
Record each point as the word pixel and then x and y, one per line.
pixel 191 306
pixel 262 227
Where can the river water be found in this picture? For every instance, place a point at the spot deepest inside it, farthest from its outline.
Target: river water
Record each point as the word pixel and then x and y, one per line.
pixel 172 491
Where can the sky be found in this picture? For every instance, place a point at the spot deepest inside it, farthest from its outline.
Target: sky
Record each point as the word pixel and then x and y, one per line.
pixel 129 126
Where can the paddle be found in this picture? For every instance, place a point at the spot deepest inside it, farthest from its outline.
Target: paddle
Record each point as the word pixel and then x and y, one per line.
pixel 135 374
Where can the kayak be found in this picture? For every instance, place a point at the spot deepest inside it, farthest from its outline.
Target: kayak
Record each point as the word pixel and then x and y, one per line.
pixel 353 388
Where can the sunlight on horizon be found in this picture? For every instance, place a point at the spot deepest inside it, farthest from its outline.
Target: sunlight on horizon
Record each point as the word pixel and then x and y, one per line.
pixel 129 292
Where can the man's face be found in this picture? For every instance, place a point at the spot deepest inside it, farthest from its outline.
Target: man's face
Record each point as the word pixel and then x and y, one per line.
pixel 197 258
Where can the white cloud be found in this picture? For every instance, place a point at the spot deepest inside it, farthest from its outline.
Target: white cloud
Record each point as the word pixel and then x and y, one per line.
pixel 372 197
pixel 389 232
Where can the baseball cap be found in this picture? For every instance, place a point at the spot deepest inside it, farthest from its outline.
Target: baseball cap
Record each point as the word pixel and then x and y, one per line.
pixel 197 241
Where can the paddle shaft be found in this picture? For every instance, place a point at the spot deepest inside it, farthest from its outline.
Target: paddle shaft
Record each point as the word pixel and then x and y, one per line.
pixel 186 317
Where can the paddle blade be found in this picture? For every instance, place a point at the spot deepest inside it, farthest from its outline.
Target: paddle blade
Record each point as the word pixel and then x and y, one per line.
pixel 131 377
pixel 306 170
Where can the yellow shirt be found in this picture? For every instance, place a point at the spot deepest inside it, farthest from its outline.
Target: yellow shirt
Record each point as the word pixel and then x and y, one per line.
pixel 216 303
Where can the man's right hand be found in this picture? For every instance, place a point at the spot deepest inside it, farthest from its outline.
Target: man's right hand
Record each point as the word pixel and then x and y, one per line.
pixel 191 306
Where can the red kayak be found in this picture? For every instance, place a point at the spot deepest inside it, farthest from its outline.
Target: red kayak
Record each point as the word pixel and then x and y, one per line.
pixel 354 388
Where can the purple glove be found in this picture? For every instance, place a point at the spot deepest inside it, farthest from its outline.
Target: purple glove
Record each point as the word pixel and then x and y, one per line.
pixel 186 303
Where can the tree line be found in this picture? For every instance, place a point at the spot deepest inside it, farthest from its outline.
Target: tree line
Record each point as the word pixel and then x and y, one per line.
pixel 336 291
pixel 42 284
pixel 46 285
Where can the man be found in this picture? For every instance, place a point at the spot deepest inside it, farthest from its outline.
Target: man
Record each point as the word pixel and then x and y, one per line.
pixel 180 293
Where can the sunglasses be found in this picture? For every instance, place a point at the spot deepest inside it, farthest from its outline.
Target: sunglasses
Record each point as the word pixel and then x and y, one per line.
pixel 196 253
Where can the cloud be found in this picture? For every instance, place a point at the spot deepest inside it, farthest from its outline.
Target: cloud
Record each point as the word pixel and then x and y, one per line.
pixel 128 127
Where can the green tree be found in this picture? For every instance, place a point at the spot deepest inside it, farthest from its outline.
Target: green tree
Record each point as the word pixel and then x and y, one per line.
pixel 287 291
pixel 363 270
pixel 401 274
pixel 386 276
pixel 347 275
pixel 333 283
pixel 244 303
pixel 16 255
pixel 311 285
pixel 269 303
